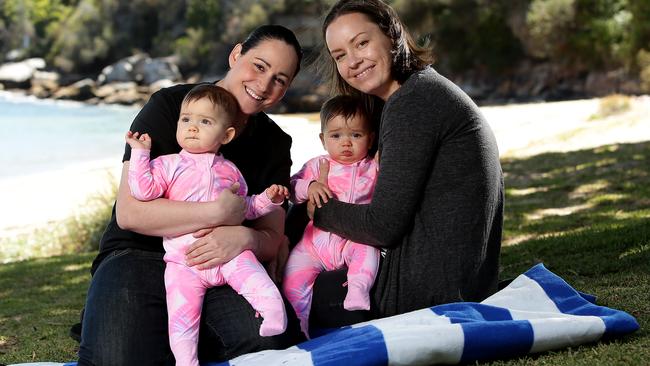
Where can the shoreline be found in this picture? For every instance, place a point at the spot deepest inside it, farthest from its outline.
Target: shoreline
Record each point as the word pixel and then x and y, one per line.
pixel 36 200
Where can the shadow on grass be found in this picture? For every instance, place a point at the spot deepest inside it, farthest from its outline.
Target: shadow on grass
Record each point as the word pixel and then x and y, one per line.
pixel 586 216
pixel 559 193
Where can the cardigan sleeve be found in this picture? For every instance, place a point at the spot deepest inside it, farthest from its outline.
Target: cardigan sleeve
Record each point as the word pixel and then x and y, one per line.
pixel 408 143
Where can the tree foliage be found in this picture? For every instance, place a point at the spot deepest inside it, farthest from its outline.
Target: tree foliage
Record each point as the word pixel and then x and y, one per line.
pixel 489 35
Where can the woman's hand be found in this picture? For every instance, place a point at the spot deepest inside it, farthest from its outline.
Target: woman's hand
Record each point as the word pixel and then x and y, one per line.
pixel 230 208
pixel 218 245
pixel 323 172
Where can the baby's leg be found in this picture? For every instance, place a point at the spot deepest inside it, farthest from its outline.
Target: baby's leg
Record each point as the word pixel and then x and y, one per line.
pixel 245 274
pixel 299 276
pixel 185 294
pixel 363 263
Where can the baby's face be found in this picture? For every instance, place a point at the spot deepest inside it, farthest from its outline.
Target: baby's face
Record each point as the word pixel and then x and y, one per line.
pixel 347 141
pixel 201 128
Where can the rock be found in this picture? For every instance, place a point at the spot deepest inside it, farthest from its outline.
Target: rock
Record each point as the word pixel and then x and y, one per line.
pixel 36 63
pixel 151 70
pixel 121 71
pixel 81 90
pixel 44 84
pixel 16 55
pixel 125 93
pixel 599 83
pixel 39 91
pixel 19 74
pixel 105 91
pixel 631 86
pixel 162 83
pixel 126 97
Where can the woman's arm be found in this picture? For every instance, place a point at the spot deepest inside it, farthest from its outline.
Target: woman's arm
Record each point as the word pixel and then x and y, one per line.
pixel 221 244
pixel 162 217
pixel 409 142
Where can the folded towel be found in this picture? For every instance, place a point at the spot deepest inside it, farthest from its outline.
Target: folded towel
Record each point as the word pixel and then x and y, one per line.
pixel 536 312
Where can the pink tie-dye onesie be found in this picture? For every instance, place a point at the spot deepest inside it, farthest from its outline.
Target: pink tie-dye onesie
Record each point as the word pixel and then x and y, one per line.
pixel 320 250
pixel 199 178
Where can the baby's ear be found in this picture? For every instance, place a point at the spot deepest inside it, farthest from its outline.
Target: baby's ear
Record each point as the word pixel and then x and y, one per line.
pixel 229 135
pixel 322 139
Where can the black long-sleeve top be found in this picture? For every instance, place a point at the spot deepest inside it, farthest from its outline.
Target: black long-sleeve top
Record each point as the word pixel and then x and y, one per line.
pixel 437 208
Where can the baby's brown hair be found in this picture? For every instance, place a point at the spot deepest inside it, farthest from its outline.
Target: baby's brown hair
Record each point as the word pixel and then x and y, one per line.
pixel 347 106
pixel 221 98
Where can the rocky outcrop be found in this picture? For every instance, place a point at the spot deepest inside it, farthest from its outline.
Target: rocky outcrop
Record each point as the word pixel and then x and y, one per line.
pixel 152 70
pixel 132 81
pixel 140 68
pixel 128 81
pixel 121 71
pixel 545 81
pixel 19 74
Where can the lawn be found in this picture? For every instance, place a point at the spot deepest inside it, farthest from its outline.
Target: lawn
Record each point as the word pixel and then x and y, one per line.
pixel 584 214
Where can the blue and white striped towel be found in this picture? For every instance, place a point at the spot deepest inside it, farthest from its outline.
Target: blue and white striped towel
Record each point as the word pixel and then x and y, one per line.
pixel 536 312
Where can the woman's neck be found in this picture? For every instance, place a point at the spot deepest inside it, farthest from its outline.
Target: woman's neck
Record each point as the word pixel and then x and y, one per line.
pixel 240 116
pixel 389 90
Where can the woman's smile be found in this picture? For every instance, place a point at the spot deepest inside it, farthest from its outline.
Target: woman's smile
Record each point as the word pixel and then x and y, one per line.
pixel 253 95
pixel 363 73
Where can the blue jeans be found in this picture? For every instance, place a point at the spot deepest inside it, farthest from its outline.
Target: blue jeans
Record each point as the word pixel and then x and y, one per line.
pixel 125 317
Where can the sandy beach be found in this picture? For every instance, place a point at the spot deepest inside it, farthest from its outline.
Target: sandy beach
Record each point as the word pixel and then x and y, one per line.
pixel 521 130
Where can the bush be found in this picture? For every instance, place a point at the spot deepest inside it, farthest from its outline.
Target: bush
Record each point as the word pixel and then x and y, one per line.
pixel 84 41
pixel 612 105
pixel 488 43
pixel 587 33
pixel 548 22
pixel 192 48
pixel 643 61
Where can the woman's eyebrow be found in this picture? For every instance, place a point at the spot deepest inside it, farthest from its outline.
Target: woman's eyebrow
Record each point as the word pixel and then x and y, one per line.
pixel 351 41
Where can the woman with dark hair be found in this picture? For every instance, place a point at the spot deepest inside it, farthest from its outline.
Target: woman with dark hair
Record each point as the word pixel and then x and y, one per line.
pixel 125 318
pixel 437 209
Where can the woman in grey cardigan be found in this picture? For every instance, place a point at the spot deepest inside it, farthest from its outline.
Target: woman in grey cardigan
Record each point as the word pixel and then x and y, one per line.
pixel 437 209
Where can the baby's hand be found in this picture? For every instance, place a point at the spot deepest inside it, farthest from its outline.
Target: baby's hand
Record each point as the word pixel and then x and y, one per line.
pixel 318 193
pixel 277 193
pixel 137 141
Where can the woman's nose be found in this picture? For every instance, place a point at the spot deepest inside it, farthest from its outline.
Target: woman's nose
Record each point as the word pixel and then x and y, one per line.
pixel 353 60
pixel 265 83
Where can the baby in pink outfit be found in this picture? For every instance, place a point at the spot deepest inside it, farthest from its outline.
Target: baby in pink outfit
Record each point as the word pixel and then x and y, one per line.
pixel 199 173
pixel 347 136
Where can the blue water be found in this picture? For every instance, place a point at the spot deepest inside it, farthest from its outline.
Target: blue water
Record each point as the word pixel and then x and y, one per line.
pixel 39 136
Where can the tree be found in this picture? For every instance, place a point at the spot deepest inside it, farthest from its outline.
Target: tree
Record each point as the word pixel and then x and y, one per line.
pixel 85 38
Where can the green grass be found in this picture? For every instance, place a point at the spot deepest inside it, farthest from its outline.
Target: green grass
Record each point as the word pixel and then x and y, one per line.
pixel 584 214
pixel 39 300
